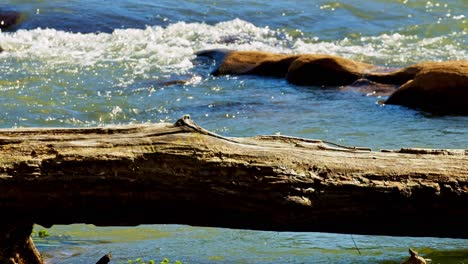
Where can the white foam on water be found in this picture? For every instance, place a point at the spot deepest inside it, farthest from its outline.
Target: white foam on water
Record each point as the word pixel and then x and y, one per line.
pixel 171 48
pixel 390 49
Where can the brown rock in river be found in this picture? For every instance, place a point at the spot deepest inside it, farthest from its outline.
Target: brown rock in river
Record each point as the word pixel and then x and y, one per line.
pixel 401 76
pixel 325 70
pixel 440 87
pixel 9 19
pixel 318 69
pixel 256 63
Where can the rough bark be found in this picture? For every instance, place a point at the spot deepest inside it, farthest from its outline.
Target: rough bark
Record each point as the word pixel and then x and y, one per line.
pixel 105 259
pixel 414 258
pixel 16 245
pixel 181 173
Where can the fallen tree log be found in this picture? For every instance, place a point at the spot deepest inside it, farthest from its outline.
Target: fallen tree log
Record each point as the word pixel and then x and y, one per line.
pixel 181 173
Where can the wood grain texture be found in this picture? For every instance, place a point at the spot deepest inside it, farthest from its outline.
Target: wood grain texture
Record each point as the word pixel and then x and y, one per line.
pixel 182 174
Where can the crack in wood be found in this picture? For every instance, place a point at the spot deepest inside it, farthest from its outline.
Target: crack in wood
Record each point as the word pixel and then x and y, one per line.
pixel 186 170
pixel 186 121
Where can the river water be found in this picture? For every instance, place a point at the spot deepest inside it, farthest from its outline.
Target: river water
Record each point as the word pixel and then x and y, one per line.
pixel 81 63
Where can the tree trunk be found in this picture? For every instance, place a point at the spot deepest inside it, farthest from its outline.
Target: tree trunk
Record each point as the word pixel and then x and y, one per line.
pixel 182 174
pixel 16 245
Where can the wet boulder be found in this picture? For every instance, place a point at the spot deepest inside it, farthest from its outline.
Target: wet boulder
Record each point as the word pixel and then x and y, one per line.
pixel 403 75
pixel 326 70
pixel 438 87
pixel 255 63
pixel 9 19
pixel 310 69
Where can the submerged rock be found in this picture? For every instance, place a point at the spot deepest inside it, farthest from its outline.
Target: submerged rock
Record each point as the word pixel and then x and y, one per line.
pixel 255 63
pixel 325 70
pixel 317 69
pixel 370 88
pixel 9 19
pixel 440 87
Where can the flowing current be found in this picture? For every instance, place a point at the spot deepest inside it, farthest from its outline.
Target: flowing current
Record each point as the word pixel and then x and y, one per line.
pixel 93 63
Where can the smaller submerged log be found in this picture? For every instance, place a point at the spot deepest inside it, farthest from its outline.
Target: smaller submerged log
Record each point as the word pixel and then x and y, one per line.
pixel 414 258
pixel 105 259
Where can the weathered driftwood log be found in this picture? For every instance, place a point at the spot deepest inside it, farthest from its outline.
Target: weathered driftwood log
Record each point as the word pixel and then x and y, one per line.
pixel 414 258
pixel 16 245
pixel 181 173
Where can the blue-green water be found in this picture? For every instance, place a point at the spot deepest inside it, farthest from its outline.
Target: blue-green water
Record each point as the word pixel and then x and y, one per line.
pixel 90 63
